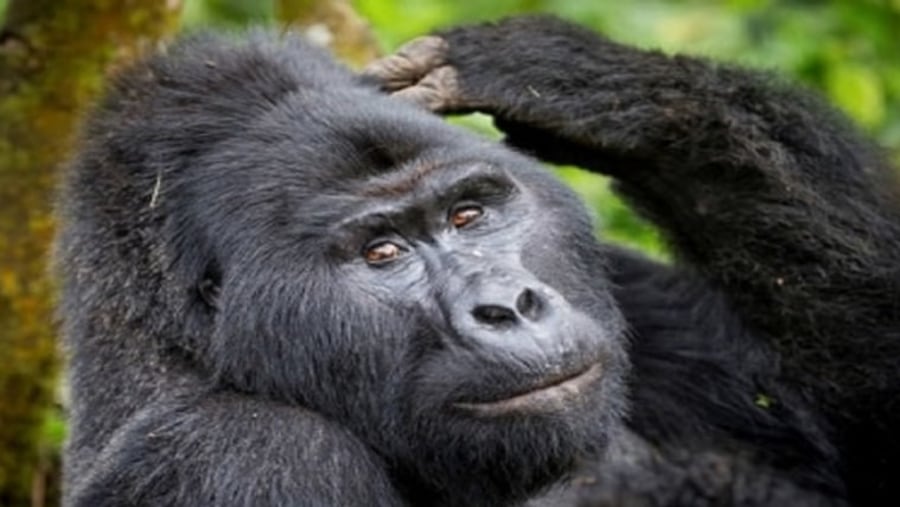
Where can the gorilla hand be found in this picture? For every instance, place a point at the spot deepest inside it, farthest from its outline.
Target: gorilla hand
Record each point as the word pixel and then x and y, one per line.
pixel 538 76
pixel 418 72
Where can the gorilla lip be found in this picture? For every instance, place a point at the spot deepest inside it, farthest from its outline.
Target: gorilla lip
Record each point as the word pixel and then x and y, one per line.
pixel 550 396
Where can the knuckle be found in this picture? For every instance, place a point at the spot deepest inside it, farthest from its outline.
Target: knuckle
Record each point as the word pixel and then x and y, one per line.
pixel 426 52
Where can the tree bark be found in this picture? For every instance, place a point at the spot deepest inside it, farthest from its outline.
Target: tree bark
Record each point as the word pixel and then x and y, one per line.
pixel 333 24
pixel 53 58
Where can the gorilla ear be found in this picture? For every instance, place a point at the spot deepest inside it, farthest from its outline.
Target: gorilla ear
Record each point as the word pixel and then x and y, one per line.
pixel 209 288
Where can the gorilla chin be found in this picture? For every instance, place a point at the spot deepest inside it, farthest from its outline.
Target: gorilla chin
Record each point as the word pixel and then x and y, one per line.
pixel 476 452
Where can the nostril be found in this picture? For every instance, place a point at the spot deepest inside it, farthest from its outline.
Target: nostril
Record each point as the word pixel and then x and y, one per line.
pixel 529 304
pixel 494 315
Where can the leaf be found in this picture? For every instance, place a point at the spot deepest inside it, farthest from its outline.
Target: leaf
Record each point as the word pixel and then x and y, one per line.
pixel 859 90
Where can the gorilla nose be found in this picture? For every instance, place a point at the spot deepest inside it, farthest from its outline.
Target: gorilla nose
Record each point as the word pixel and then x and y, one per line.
pixel 527 305
pixel 530 305
pixel 495 315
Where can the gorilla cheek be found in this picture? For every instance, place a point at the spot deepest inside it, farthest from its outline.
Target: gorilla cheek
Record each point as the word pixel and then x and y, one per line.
pixel 569 259
pixel 295 346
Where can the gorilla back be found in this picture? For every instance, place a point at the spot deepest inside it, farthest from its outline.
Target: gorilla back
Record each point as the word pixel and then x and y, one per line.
pixel 282 287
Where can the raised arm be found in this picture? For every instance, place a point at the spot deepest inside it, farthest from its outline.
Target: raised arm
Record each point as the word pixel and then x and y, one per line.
pixel 762 190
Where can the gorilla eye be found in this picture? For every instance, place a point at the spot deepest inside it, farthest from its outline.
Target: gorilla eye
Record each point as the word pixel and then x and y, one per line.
pixel 465 215
pixel 382 252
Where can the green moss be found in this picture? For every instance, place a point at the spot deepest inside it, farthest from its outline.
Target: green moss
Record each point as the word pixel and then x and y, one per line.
pixel 46 80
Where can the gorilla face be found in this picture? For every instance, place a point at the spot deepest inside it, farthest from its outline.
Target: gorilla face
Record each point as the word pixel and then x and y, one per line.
pixel 440 295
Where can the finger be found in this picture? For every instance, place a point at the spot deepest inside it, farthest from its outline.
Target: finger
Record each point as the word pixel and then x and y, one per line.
pixel 438 91
pixel 421 96
pixel 409 64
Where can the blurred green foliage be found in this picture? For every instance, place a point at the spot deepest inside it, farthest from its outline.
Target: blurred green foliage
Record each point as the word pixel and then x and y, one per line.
pixel 847 49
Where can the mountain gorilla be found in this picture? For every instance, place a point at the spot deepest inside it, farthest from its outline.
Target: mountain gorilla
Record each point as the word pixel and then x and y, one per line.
pixel 283 286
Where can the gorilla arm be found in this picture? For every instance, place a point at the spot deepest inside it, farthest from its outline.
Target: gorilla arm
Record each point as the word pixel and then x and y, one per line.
pixel 230 449
pixel 762 190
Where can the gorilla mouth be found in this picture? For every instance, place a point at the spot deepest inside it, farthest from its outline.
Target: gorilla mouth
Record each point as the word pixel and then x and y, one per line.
pixel 552 395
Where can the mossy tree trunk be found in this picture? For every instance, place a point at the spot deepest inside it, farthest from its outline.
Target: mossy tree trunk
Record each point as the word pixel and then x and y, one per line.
pixel 53 57
pixel 334 24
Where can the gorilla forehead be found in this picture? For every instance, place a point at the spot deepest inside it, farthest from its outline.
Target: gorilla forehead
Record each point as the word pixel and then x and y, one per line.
pixel 352 133
pixel 323 152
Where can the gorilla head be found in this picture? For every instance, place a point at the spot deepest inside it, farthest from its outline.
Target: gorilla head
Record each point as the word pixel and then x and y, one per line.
pixel 328 246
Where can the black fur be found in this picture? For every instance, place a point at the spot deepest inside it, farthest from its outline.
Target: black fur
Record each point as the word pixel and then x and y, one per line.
pixel 230 346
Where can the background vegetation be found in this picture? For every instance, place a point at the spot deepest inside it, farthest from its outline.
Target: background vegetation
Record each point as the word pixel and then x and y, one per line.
pixel 52 59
